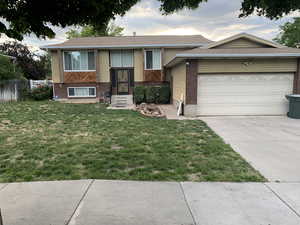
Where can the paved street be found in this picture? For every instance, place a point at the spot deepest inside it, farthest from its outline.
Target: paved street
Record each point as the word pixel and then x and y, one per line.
pixel 91 202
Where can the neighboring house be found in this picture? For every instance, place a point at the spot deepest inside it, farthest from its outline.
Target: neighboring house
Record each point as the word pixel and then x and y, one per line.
pixel 240 75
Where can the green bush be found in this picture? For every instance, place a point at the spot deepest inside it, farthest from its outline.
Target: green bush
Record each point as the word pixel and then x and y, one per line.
pixel 139 94
pixel 41 93
pixel 25 94
pixel 164 95
pixel 151 94
pixel 9 70
pixel 156 93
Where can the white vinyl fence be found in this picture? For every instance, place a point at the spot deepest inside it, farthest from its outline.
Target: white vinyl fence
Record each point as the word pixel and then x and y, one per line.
pixel 38 83
pixel 10 90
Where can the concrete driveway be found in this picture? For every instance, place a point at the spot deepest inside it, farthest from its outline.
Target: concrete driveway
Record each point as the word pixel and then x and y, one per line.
pixel 269 144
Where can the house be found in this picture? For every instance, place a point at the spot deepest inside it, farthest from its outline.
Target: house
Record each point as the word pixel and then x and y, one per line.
pixel 240 75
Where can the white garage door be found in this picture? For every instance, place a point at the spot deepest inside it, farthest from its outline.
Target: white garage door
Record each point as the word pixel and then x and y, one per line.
pixel 244 94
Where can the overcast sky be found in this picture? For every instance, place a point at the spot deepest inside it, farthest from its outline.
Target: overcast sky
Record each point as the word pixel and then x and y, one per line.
pixel 215 20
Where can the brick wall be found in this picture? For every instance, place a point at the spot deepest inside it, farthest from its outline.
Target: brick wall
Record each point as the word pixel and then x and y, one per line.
pixel 61 90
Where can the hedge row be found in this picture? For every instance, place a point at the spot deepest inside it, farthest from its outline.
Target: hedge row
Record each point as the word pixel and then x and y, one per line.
pixel 152 94
pixel 38 94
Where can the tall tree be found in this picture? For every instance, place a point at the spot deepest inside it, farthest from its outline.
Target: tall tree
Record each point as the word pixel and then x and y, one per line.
pixel 35 16
pixel 92 31
pixel 290 34
pixel 45 64
pixel 32 65
pixel 273 9
pixel 8 70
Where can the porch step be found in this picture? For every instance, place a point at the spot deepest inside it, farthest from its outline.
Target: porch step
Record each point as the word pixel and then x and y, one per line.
pixel 121 100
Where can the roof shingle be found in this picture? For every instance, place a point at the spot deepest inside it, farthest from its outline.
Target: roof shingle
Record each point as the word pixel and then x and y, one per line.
pixel 214 51
pixel 138 41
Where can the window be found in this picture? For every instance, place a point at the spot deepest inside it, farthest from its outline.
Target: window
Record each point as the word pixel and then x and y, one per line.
pixel 121 58
pixel 79 60
pixel 153 59
pixel 81 92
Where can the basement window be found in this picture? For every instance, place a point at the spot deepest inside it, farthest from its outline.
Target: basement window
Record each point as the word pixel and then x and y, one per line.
pixel 79 92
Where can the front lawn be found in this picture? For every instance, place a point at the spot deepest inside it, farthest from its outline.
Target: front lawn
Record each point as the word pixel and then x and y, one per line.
pixel 54 141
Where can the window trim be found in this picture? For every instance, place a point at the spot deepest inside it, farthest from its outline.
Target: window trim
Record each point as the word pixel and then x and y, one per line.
pixel 90 96
pixel 145 63
pixel 121 51
pixel 63 57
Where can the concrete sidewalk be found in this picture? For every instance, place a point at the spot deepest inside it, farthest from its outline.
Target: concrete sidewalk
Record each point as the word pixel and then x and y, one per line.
pixel 95 202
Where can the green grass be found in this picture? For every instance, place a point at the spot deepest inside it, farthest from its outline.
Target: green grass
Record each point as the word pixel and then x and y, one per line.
pixel 54 141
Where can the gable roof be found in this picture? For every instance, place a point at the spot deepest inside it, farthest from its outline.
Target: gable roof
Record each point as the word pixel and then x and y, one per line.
pixel 132 42
pixel 210 52
pixel 239 52
pixel 223 53
pixel 245 36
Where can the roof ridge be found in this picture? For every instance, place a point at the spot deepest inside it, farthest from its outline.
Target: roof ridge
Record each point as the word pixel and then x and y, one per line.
pixel 150 35
pixel 134 41
pixel 249 36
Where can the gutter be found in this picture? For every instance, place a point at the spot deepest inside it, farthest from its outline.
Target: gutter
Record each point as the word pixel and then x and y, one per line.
pixel 122 46
pixel 237 55
pixel 180 57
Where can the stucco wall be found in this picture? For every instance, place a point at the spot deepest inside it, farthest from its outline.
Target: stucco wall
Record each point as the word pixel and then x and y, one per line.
pixel 104 66
pixel 179 81
pixel 169 54
pixel 138 65
pixel 247 65
pixel 55 67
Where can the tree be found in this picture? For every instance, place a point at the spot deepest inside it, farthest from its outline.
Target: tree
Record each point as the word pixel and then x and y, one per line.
pixel 290 34
pixel 33 16
pixel 91 31
pixel 33 66
pixel 8 70
pixel 272 9
pixel 45 64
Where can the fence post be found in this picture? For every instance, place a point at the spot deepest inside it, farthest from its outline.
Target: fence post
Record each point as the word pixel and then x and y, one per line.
pixel 16 91
pixel 1 221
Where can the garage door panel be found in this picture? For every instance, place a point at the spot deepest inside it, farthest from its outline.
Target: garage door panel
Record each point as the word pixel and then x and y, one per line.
pixel 246 77
pixel 259 92
pixel 244 94
pixel 246 99
pixel 238 88
pixel 237 110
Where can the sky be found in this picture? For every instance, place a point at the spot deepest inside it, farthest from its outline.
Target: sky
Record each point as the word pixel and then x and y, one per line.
pixel 216 19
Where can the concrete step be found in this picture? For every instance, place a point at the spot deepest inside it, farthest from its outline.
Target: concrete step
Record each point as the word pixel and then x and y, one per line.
pixel 121 100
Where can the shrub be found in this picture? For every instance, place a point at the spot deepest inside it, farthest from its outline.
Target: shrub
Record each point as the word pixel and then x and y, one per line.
pixel 164 95
pixel 156 93
pixel 8 70
pixel 41 93
pixel 151 94
pixel 139 94
pixel 25 94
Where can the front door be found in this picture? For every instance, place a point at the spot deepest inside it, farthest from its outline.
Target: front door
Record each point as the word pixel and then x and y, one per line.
pixel 122 79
